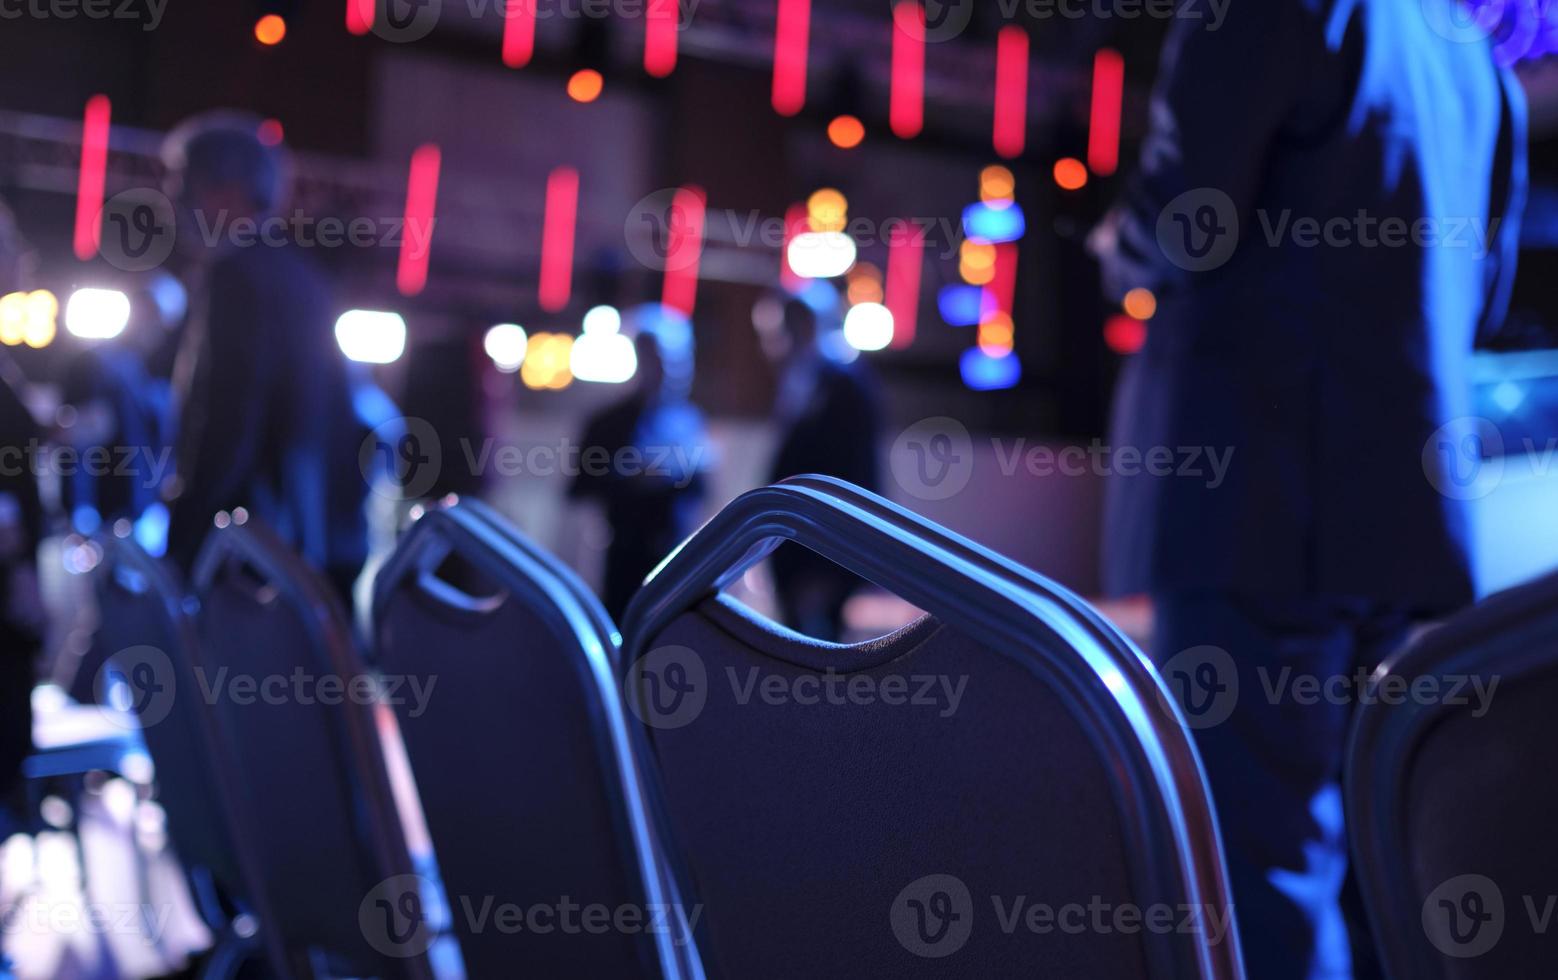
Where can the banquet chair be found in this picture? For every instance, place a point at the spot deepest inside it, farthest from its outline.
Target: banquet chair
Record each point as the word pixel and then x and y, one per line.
pixel 946 797
pixel 1449 811
pixel 522 753
pixel 294 701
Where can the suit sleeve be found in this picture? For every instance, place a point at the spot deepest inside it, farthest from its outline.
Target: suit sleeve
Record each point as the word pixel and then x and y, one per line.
pixel 236 394
pixel 317 396
pixel 1223 92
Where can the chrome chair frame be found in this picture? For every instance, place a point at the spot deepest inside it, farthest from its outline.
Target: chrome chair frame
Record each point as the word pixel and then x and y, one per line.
pixel 1163 794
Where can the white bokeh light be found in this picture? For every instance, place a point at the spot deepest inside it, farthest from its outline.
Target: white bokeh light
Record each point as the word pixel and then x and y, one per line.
pixel 505 343
pixel 97 314
pixel 868 326
pixel 371 336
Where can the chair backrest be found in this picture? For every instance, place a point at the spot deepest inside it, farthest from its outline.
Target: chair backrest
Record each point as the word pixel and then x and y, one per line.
pixel 1002 787
pixel 295 701
pixel 146 622
pixel 1450 799
pixel 521 752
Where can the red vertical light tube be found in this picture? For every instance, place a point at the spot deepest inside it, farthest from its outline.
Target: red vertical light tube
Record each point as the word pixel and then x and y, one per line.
pixel 1003 285
pixel 1103 136
pixel 792 33
pixel 557 233
pixel 660 17
pixel 93 176
pixel 906 108
pixel 519 32
pixel 901 292
pixel 416 242
pixel 1011 91
pixel 684 249
pixel 359 16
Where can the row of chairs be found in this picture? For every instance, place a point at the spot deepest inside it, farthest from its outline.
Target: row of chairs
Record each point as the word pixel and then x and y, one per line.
pixel 688 769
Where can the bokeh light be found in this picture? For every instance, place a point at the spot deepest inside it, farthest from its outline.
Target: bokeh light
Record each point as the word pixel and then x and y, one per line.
pixel 827 210
pixel 846 132
pixel 996 184
pixel 270 29
pixel 585 85
pixel 505 343
pixel 868 326
pixel 1140 303
pixel 547 362
pixel 1070 174
pixel 976 262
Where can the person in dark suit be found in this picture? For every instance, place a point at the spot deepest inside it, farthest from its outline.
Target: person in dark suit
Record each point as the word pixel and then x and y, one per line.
pixel 828 414
pixel 264 395
pixel 653 484
pixel 1327 209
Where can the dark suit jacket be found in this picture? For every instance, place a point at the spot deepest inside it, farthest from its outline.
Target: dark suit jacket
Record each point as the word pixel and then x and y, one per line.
pixel 650 510
pixel 835 434
pixel 266 419
pixel 1326 368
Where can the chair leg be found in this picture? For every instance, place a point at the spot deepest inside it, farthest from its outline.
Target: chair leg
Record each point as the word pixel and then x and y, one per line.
pixel 227 956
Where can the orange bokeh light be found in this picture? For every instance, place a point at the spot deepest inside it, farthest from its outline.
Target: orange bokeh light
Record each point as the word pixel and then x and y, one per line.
pixel 1140 303
pixel 1070 174
pixel 846 132
pixel 270 29
pixel 996 185
pixel 995 335
pixel 585 85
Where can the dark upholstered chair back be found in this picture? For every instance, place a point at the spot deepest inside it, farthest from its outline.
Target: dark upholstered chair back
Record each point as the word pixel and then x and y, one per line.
pixel 1451 795
pixel 1002 788
pixel 295 702
pixel 521 752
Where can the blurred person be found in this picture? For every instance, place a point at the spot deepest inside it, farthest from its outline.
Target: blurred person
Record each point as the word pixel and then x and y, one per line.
pixel 114 400
pixel 651 481
pixel 22 620
pixel 828 413
pixel 264 400
pixel 1335 371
